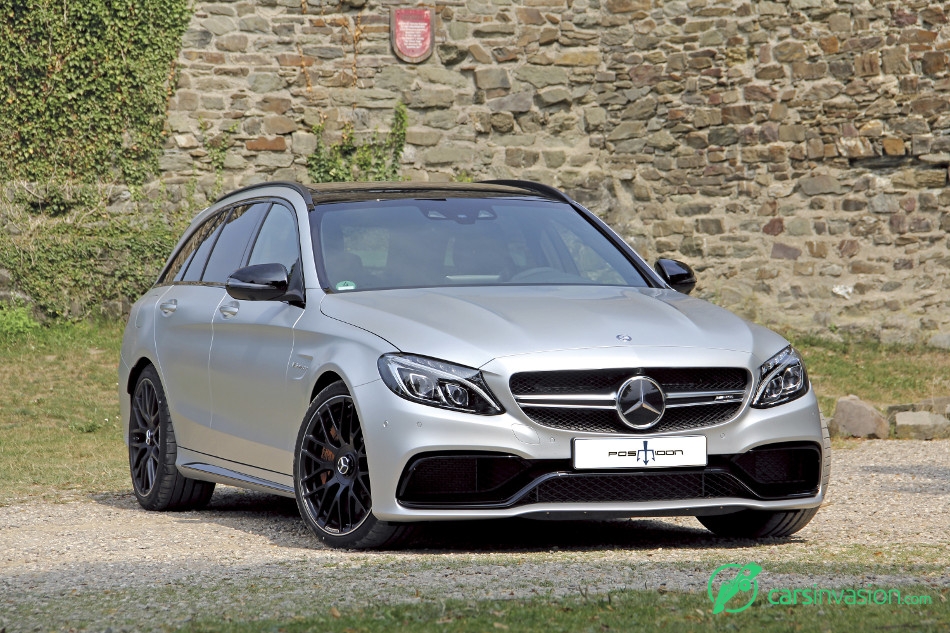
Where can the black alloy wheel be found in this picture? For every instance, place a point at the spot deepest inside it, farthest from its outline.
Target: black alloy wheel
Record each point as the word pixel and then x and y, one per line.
pixel 156 482
pixel 331 476
pixel 145 434
pixel 334 473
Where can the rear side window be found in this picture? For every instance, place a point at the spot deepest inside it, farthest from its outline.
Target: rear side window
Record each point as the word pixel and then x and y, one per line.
pixel 188 253
pixel 231 245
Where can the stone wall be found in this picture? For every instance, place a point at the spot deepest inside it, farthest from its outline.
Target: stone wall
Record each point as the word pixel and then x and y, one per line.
pixel 794 152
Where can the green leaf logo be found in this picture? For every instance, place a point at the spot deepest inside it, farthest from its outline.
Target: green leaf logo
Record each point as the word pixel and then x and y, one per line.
pixel 725 585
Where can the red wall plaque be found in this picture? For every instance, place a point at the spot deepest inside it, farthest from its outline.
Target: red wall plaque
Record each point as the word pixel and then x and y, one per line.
pixel 411 34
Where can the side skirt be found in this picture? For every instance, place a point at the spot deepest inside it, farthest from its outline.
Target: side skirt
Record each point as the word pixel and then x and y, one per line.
pixel 217 474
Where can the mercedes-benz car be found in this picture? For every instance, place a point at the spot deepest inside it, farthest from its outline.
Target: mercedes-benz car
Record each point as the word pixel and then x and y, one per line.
pixel 395 353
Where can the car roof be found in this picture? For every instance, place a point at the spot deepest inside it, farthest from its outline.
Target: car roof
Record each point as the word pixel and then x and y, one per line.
pixel 322 193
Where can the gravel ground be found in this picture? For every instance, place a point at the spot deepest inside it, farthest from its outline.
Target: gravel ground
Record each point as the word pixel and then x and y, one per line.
pixel 104 562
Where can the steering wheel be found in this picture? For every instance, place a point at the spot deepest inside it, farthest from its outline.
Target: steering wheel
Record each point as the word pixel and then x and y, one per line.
pixel 528 273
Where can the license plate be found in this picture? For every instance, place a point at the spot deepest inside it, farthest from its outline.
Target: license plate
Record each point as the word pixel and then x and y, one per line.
pixel 630 452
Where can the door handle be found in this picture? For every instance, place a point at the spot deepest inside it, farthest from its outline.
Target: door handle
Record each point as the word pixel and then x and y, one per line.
pixel 167 307
pixel 228 310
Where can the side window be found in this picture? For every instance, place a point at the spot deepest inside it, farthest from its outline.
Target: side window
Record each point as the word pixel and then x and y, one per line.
pixel 231 247
pixel 277 243
pixel 188 252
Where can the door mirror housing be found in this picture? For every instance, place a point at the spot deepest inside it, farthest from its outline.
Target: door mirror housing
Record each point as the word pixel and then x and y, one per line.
pixel 677 274
pixel 261 282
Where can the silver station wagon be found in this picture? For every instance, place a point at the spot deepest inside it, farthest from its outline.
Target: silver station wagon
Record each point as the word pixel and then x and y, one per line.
pixel 392 353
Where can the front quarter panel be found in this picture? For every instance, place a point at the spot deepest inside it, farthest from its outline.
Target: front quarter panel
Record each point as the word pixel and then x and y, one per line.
pixel 324 346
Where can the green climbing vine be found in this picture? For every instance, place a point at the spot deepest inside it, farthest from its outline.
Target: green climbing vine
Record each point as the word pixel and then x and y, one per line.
pixel 85 86
pixel 217 148
pixel 69 268
pixel 375 160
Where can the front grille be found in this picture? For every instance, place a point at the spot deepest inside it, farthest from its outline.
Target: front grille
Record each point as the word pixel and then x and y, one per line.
pixel 576 488
pixel 568 382
pixel 704 383
pixel 587 420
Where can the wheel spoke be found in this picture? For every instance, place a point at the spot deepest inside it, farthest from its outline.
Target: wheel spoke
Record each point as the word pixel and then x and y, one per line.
pixel 355 497
pixel 338 501
pixel 325 458
pixel 138 466
pixel 329 507
pixel 151 470
pixel 147 405
pixel 312 476
pixel 141 416
pixel 364 485
pixel 334 432
pixel 346 422
pixel 325 491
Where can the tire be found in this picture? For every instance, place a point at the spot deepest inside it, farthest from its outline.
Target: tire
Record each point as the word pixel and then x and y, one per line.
pixel 331 476
pixel 765 524
pixel 152 451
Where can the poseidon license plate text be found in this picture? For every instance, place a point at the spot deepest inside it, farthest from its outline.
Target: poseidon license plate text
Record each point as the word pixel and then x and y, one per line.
pixel 655 452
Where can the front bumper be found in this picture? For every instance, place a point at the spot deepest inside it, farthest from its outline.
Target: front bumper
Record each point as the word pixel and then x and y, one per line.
pixel 495 481
pixel 398 432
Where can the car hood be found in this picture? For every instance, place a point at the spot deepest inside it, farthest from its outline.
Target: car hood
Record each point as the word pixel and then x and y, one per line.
pixel 473 325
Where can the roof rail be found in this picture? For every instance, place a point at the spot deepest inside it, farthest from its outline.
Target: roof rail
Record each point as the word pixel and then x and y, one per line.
pixel 305 192
pixel 547 190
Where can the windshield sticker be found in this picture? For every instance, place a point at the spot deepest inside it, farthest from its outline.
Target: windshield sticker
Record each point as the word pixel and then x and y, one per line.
pixel 346 285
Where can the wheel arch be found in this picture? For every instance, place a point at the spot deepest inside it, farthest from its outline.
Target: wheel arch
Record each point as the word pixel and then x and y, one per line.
pixel 136 371
pixel 327 378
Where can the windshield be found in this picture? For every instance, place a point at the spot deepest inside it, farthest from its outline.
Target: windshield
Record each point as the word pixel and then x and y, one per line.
pixel 411 243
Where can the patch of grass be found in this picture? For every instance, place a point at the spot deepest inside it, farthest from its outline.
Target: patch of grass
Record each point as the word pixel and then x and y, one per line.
pixel 15 323
pixel 623 611
pixel 879 374
pixel 59 413
pixel 214 608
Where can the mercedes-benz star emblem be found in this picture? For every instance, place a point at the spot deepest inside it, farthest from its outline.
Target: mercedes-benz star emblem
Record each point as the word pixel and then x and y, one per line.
pixel 640 402
pixel 343 465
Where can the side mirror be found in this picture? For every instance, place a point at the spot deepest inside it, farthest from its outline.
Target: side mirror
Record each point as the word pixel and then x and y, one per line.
pixel 677 274
pixel 261 282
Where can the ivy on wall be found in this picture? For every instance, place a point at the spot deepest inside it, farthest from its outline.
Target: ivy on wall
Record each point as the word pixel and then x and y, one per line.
pixel 67 268
pixel 84 86
pixel 375 160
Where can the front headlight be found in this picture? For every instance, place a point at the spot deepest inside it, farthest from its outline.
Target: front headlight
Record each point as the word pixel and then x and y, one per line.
pixel 438 384
pixel 782 379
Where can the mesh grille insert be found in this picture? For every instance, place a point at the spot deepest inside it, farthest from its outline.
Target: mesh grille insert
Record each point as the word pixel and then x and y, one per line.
pixel 635 487
pixel 604 381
